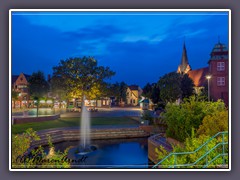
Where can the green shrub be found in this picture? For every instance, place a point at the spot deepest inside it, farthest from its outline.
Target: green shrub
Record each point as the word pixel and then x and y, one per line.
pixel 147 115
pixel 214 123
pixel 23 157
pixel 190 145
pixel 182 118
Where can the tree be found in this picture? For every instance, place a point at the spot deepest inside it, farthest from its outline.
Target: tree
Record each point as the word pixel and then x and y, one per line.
pixel 147 90
pixel 38 87
pixel 170 87
pixel 81 76
pixel 118 90
pixel 14 97
pixel 174 86
pixel 123 92
pixel 152 91
pixel 186 86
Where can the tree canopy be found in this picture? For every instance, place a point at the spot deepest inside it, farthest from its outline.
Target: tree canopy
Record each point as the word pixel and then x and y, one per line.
pixel 174 86
pixel 151 91
pixel 118 90
pixel 78 76
pixel 38 86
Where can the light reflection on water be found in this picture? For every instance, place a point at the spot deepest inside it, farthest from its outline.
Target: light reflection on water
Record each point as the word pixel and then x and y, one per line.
pixel 117 153
pixel 41 112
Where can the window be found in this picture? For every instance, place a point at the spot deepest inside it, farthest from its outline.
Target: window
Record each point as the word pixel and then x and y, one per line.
pixel 22 86
pixel 221 81
pixel 220 66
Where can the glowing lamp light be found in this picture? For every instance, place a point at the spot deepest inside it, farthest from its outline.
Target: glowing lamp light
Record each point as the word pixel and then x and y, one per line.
pixel 49 101
pixel 42 101
pixel 208 77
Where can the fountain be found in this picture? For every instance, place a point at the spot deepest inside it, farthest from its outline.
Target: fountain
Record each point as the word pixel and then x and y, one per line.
pixel 85 126
pixel 85 146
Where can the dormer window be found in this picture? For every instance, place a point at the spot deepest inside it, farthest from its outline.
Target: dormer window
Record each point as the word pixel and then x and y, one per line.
pixel 220 66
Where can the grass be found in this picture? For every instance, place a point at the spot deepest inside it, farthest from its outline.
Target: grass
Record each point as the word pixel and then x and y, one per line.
pixel 71 122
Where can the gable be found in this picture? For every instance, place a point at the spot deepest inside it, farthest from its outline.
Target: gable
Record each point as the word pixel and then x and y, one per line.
pixel 21 80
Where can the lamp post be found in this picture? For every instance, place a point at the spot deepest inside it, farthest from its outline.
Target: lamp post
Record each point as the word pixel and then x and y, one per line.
pixel 208 78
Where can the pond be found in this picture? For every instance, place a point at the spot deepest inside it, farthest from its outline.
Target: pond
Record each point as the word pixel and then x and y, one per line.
pixel 41 112
pixel 117 153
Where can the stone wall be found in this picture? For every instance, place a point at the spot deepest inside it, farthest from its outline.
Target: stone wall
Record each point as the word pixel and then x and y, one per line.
pixel 73 134
pixel 22 120
pixel 154 142
pixel 174 142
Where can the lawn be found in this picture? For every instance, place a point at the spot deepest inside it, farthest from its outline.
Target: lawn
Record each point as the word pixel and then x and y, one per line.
pixel 71 122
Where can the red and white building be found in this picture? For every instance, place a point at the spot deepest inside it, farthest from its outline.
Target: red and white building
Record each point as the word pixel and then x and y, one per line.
pixel 217 69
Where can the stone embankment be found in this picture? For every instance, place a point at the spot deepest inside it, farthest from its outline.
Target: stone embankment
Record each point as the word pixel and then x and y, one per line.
pixel 73 134
pixel 154 142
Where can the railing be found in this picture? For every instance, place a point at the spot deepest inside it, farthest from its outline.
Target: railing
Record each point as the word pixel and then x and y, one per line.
pixel 223 154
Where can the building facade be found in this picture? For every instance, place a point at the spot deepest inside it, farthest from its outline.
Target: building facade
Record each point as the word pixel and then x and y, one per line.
pixel 133 95
pixel 217 70
pixel 20 85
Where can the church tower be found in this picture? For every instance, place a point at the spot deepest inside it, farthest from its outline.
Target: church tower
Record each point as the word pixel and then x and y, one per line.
pixel 184 66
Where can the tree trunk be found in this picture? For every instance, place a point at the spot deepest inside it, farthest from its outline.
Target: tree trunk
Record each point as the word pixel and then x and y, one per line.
pixel 37 107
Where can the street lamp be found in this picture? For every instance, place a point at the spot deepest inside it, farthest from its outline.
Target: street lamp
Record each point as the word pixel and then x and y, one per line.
pixel 208 78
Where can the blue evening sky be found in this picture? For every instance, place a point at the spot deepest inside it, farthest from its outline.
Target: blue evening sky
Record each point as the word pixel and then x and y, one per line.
pixel 139 46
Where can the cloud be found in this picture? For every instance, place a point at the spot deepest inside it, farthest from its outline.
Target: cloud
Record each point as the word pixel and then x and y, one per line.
pixel 139 52
pixel 93 33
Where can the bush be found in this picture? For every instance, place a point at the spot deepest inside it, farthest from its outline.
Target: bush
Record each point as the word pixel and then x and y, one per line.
pixel 191 144
pixel 214 123
pixel 147 115
pixel 182 118
pixel 23 157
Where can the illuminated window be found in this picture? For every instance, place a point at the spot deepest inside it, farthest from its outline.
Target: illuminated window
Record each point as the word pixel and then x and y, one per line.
pixel 220 66
pixel 221 81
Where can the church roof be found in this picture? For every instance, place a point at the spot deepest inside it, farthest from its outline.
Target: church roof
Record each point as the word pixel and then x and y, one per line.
pixel 184 61
pixel 199 76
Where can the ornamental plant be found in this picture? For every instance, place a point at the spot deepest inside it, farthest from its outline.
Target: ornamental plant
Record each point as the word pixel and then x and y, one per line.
pixel 180 119
pixel 25 157
pixel 197 159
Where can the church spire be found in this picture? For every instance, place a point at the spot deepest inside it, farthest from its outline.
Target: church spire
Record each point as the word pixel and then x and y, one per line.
pixel 184 67
pixel 184 60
